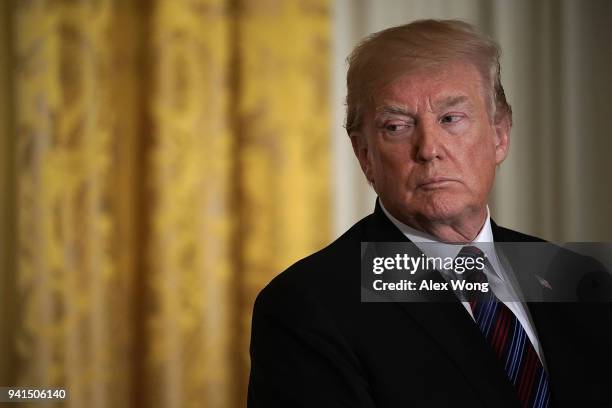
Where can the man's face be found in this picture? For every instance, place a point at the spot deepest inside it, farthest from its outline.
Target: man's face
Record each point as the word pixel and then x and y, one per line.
pixel 428 145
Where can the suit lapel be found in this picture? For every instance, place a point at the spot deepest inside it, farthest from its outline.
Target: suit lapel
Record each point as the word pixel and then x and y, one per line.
pixel 451 327
pixel 550 321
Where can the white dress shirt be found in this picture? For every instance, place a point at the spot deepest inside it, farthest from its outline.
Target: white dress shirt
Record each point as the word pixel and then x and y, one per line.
pixel 501 282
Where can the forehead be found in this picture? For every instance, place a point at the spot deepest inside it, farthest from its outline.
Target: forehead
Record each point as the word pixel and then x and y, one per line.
pixel 456 82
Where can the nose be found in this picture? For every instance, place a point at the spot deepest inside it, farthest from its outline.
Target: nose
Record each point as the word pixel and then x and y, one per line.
pixel 427 146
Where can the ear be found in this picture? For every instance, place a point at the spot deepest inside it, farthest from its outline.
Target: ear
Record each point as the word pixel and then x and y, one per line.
pixel 502 139
pixel 360 148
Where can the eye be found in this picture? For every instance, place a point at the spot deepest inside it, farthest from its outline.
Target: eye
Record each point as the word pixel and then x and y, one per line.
pixel 397 127
pixel 451 118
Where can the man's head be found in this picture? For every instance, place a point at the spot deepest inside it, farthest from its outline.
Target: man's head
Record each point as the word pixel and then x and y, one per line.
pixel 428 120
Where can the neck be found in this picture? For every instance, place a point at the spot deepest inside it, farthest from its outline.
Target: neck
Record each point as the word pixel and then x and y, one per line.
pixel 461 229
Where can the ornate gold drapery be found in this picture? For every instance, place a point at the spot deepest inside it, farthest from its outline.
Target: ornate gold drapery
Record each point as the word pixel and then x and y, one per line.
pixel 170 159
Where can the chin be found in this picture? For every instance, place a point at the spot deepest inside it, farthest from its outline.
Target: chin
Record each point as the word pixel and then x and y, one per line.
pixel 439 209
pixel 440 212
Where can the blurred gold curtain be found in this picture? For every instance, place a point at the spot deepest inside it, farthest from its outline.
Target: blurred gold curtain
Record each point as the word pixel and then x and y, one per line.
pixel 164 160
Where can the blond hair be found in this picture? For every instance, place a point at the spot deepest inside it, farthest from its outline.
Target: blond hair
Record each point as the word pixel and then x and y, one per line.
pixel 383 56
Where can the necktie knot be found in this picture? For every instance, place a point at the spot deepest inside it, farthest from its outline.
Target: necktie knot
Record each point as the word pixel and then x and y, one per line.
pixel 470 263
pixel 471 251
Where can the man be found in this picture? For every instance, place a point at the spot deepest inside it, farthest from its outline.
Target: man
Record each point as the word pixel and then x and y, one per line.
pixel 429 124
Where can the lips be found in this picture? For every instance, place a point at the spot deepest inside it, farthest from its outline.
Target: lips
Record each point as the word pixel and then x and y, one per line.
pixel 436 182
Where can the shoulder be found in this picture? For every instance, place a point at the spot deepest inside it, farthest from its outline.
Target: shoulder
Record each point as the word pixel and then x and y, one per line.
pixel 502 234
pixel 319 274
pixel 562 254
pixel 573 274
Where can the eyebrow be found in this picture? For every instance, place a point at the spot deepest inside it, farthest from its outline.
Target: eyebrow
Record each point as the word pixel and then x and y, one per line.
pixel 394 109
pixel 451 101
pixel 439 105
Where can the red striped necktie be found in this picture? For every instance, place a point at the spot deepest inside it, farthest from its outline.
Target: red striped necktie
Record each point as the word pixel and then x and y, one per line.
pixel 508 339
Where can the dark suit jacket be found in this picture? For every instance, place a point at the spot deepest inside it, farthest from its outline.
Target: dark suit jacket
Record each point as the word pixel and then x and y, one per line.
pixel 315 344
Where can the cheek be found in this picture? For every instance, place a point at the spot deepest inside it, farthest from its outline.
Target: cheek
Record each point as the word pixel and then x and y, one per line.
pixel 482 169
pixel 392 165
pixel 478 164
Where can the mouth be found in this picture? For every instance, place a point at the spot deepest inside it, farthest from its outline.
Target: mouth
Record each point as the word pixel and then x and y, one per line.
pixel 436 183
